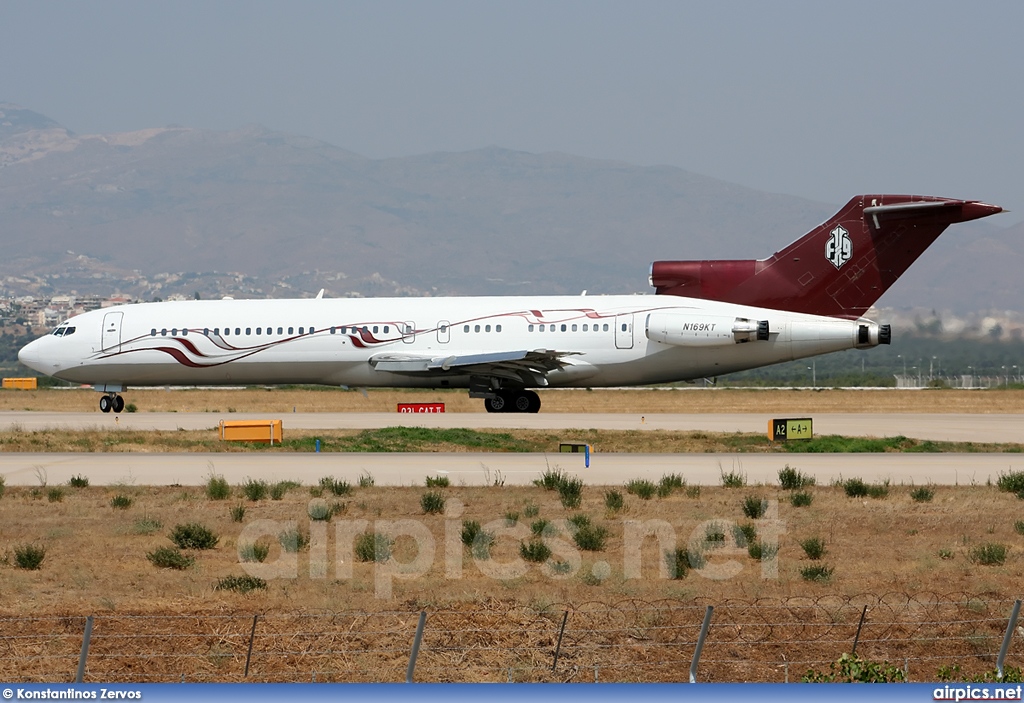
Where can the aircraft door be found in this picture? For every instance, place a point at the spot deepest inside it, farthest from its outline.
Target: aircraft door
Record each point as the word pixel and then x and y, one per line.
pixel 624 331
pixel 444 332
pixel 408 332
pixel 112 331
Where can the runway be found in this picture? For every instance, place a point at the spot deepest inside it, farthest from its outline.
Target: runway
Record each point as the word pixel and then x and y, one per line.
pixel 488 469
pixel 938 426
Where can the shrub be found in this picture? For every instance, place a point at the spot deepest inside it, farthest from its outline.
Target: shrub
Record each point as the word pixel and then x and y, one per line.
pixel 279 489
pixel 714 535
pixel 194 536
pixel 511 517
pixel 733 479
pixel 332 485
pixel 693 492
pixel 670 483
pixel 560 568
pixel 591 538
pixel 791 480
pixel 924 494
pixel 641 488
pixel 438 482
pixel 570 492
pixel 255 490
pixel 531 509
pixel 470 530
pixel 292 540
pixel 760 550
pixel 614 501
pixel 579 520
pixel 366 480
pixel 817 572
pixel 535 551
pixel 744 534
pixel 680 561
pixel 55 494
pixel 814 547
pixel 146 526
pixel 754 507
pixel 850 668
pixel 131 408
pixel 1018 527
pixel 120 502
pixel 945 554
pixel 543 528
pixel 253 552
pixel 78 481
pixel 169 558
pixel 879 490
pixel 241 584
pixel 217 488
pixel 990 554
pixel 1012 482
pixel 238 513
pixel 319 511
pixel 550 480
pixel 374 547
pixel 432 502
pixel 801 499
pixel 855 488
pixel 3 486
pixel 29 556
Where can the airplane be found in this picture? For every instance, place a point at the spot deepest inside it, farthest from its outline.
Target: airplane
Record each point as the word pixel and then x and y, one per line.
pixel 706 319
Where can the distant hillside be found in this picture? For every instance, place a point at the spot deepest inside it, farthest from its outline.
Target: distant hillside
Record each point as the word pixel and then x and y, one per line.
pixel 279 214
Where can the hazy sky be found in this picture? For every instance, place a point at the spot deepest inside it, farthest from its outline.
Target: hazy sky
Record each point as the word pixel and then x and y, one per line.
pixel 816 99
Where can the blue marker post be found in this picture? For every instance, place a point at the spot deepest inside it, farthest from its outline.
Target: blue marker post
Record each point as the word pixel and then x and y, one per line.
pixel 318 446
pixel 586 457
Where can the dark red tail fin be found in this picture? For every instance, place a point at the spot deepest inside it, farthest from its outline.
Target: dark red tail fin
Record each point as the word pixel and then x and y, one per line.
pixel 838 269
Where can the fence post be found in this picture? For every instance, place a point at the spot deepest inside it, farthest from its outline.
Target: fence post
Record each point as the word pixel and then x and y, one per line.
pixel 248 655
pixel 558 647
pixel 700 643
pixel 856 638
pixel 415 647
pixel 86 639
pixel 1007 637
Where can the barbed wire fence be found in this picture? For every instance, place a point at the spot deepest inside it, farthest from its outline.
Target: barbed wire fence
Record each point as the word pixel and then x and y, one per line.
pixel 498 641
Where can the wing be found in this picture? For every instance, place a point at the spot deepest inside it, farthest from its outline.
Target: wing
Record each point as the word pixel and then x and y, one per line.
pixel 527 367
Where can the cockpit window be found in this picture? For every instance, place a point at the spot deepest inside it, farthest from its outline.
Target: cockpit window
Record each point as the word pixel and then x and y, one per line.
pixel 69 331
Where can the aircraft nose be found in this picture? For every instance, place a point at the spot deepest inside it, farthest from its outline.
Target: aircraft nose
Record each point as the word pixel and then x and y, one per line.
pixel 30 356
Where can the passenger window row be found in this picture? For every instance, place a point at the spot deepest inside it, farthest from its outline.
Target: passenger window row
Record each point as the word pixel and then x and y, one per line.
pixel 570 328
pixel 477 328
pixel 227 331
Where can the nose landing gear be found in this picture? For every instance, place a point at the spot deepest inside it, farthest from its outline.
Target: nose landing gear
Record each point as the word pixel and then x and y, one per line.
pixel 110 402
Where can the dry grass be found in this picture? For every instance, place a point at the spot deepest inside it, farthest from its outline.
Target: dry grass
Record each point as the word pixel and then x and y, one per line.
pixel 96 563
pixel 639 401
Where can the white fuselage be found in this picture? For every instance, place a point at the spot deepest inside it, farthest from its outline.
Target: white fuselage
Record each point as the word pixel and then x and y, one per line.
pixel 601 340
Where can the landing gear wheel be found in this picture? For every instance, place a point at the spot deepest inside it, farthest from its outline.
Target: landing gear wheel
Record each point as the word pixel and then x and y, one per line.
pixel 534 402
pixel 118 403
pixel 106 404
pixel 522 402
pixel 497 404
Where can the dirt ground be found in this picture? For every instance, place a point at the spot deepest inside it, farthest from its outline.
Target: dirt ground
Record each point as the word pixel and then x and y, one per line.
pixel 914 564
pixel 635 401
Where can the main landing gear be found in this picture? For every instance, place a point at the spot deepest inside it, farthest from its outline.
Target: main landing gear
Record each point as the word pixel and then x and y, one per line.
pixel 513 402
pixel 111 402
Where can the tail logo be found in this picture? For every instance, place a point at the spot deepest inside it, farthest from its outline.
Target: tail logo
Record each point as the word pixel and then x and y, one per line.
pixel 839 247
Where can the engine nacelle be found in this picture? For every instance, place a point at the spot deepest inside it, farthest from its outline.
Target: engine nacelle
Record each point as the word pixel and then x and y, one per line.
pixel 704 330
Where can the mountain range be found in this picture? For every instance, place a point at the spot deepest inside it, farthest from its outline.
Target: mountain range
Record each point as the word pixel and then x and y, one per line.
pixel 255 212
